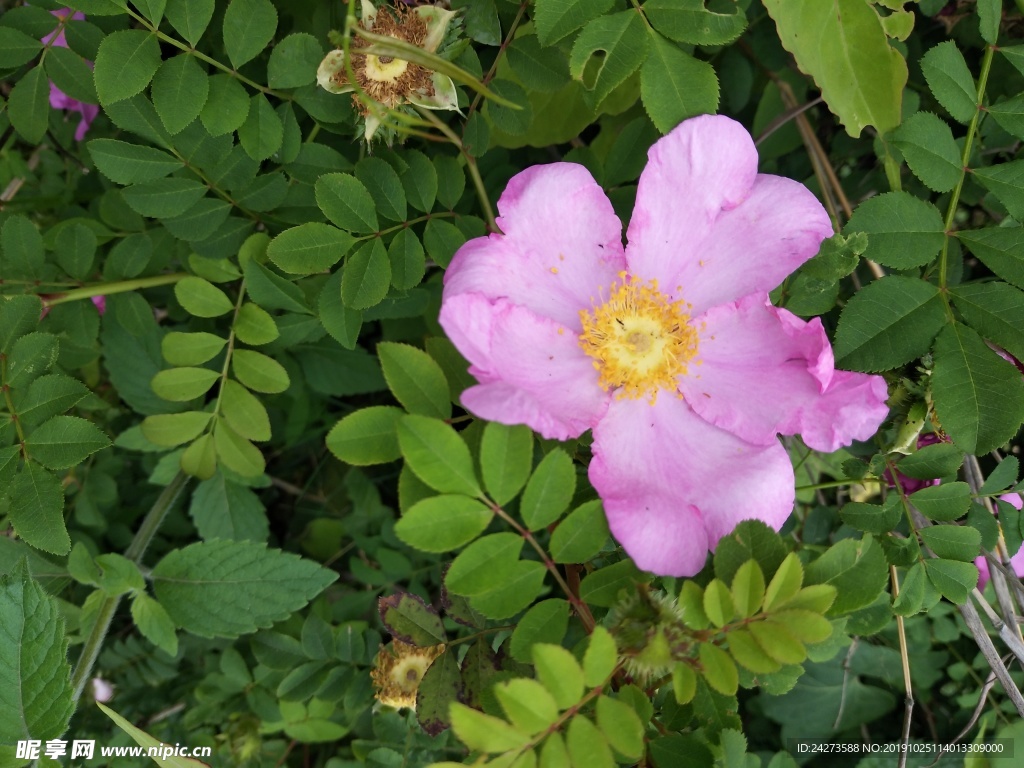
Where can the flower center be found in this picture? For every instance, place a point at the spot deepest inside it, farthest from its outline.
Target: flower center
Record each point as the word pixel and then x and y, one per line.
pixel 384 69
pixel 640 340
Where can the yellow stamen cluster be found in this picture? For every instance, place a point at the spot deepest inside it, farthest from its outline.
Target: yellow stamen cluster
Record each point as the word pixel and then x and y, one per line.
pixel 398 671
pixel 640 340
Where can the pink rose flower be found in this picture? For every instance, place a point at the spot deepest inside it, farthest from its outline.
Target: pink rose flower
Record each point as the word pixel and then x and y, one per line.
pixel 59 99
pixel 668 349
pixel 1017 561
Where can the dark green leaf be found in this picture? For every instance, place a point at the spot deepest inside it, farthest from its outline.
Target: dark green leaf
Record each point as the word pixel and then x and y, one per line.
pixel 903 231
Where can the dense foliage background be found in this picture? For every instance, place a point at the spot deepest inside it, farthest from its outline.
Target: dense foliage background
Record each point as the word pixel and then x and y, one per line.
pixel 232 457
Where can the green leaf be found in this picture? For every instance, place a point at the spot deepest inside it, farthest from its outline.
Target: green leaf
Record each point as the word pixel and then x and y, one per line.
pixel 979 397
pixel 718 667
pixel 309 248
pixel 514 122
pixel 19 315
pixel 179 385
pixel 485 733
pixel 163 198
pixel 125 63
pixel 718 605
pixel 29 105
pixel 72 74
pixel 778 642
pixel 903 231
pixel 990 14
pixel 191 348
pixel 346 201
pixel 384 186
pixel 190 18
pixel 674 85
pixel 254 325
pixel 549 490
pixel 557 18
pixel 244 411
pixel 748 589
pixel 602 587
pixel 259 372
pixel 952 541
pixel 581 535
pixel 995 310
pixel 227 105
pixel 411 620
pixel 172 429
pixel 622 39
pixel 523 587
pixel 857 569
pixel 587 745
pixel 953 579
pixel 200 458
pixel 30 356
pixel 154 624
pixel 1000 248
pixel 620 725
pixel 911 595
pixel 416 381
pixel 537 68
pixel 367 276
pixel 785 583
pixel 689 22
pixel 36 697
pixel 367 436
pixel 249 25
pixel 600 658
pixel 451 181
pixel 749 653
pixel 65 441
pixel 222 509
pixel 407 259
pixel 545 622
pixel 262 133
pixel 420 181
pixel 293 61
pixel 180 91
pixel 17 48
pixel 1009 113
pixel 231 588
pixel 945 502
pixel 35 501
pixel 1006 182
pixel 130 163
pixel 527 704
pixel 1002 477
pixel 950 80
pixel 506 458
pixel 443 523
pixel 560 673
pixel 441 686
pixel 438 455
pixel 871 518
pixel 939 460
pixel 888 323
pixel 236 452
pixel 484 565
pixel 48 396
pixel 927 145
pixel 844 47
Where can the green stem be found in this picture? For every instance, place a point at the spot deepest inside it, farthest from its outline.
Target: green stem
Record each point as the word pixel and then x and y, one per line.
pixel 954 198
pixel 839 484
pixel 106 289
pixel 147 530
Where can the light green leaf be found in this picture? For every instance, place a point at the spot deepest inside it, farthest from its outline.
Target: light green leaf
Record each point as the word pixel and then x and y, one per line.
pixel 416 381
pixel 581 535
pixel 154 623
pixel 600 658
pixel 527 704
pixel 200 458
pixel 484 565
pixel 443 523
pixel 236 452
pixel 180 385
pixel 202 298
pixel 125 63
pixel 367 436
pixel 485 733
pixel 173 429
pixel 979 397
pixel 718 605
pixel 65 441
pixel 748 589
pixel 197 584
pixel 244 411
pixel 620 725
pixel 19 315
pixel 36 506
pixel 674 85
pixel 549 490
pixel 36 697
pixel 523 586
pixel 718 667
pixel 888 323
pixel 254 325
pixel 308 248
pixel 857 569
pixel 1002 477
pixel 249 25
pixel 560 673
pixel 438 455
pixel 843 46
pixel 545 622
pixel 191 348
pixel 259 372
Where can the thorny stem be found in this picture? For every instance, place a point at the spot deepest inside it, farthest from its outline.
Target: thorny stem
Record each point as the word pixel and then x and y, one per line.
pixel 581 607
pixel 474 172
pixel 954 198
pixel 106 289
pixel 147 530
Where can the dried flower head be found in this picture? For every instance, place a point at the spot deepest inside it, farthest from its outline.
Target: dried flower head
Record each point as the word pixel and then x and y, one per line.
pixel 380 82
pixel 398 671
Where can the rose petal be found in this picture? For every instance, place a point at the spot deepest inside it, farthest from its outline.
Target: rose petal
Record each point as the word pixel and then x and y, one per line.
pixel 672 484
pixel 764 371
pixel 531 369
pixel 711 230
pixel 561 246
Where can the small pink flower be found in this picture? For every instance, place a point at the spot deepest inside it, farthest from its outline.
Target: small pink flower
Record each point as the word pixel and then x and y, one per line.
pixel 59 99
pixel 101 304
pixel 1017 561
pixel 668 349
